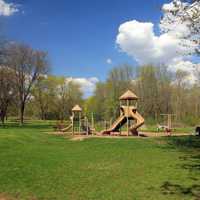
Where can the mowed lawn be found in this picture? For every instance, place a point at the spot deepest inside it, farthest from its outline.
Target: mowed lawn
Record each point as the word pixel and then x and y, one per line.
pixel 35 165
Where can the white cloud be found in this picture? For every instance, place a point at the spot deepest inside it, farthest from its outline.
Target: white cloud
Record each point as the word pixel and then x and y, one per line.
pixel 7 9
pixel 88 85
pixel 187 66
pixel 138 40
pixel 109 61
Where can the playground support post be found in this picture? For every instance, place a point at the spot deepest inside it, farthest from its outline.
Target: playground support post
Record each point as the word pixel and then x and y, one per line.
pixel 110 122
pixel 128 118
pixel 79 122
pixel 169 123
pixel 92 120
pixel 73 126
pixel 169 120
pixel 87 126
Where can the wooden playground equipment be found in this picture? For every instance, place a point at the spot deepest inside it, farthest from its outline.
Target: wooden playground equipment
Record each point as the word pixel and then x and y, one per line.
pixel 128 115
pixel 79 124
pixel 168 126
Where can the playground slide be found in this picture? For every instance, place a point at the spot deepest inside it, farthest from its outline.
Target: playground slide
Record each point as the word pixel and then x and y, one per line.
pixel 139 121
pixel 122 120
pixel 67 128
pixel 119 122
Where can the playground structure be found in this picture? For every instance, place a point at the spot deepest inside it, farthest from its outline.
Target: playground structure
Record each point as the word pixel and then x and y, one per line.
pixel 167 127
pixel 79 124
pixel 80 127
pixel 128 115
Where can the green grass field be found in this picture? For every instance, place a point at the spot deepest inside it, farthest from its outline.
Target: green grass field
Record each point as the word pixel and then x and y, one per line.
pixel 35 165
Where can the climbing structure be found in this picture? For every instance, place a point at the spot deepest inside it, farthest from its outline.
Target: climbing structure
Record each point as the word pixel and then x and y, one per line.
pixel 75 120
pixel 128 115
pixel 78 125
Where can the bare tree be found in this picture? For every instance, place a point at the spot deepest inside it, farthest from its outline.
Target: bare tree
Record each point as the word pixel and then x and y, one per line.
pixel 42 95
pixel 7 90
pixel 68 94
pixel 120 78
pixel 28 65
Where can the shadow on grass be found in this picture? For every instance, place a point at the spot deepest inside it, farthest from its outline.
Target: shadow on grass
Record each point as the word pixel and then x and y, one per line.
pixel 176 189
pixel 190 146
pixel 193 163
pixel 184 142
pixel 27 125
pixel 190 160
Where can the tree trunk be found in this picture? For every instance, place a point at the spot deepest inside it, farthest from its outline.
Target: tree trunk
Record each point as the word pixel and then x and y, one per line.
pixel 42 116
pixel 3 120
pixel 22 108
pixel 42 113
pixel 2 115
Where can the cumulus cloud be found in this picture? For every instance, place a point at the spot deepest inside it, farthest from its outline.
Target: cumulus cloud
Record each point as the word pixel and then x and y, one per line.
pixel 7 9
pixel 109 61
pixel 190 68
pixel 138 40
pixel 87 84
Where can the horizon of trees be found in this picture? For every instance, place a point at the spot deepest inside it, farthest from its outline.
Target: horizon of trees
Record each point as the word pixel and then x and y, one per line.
pixel 52 97
pixel 28 89
pixel 159 92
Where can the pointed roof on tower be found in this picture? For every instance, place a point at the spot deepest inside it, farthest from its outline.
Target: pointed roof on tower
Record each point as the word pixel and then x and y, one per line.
pixel 77 108
pixel 128 95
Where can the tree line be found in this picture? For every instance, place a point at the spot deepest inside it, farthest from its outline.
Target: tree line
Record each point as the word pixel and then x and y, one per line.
pixel 27 88
pixel 159 92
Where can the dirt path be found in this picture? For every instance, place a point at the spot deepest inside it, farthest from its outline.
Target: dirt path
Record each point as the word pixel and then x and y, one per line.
pixel 5 197
pixel 141 135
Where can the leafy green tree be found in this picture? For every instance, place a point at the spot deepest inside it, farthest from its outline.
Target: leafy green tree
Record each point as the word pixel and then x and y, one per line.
pixel 68 94
pixel 27 65
pixel 7 90
pixel 106 96
pixel 44 94
pixel 148 91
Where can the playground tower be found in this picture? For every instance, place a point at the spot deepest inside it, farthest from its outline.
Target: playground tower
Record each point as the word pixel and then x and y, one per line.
pixel 76 117
pixel 79 124
pixel 128 115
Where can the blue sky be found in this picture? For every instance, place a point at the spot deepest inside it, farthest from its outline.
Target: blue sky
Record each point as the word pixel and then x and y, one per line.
pixel 78 34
